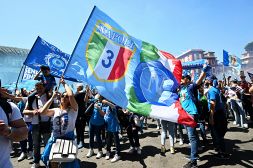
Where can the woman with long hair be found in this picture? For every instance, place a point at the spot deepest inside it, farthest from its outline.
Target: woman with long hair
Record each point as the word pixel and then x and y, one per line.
pixel 64 119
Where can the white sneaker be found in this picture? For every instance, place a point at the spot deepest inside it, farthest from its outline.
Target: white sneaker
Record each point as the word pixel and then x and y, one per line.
pixel 35 165
pixel 90 153
pixel 138 149
pixel 30 155
pixel 181 142
pixel 157 127
pixel 245 126
pixel 99 154
pixel 107 155
pixel 131 150
pixel 175 140
pixel 234 123
pixel 22 156
pixel 115 158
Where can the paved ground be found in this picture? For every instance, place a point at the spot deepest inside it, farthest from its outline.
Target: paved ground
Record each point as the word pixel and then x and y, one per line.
pixel 239 143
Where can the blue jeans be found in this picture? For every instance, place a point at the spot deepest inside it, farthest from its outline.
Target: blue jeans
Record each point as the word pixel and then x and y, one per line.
pixel 114 135
pixel 96 130
pixel 167 126
pixel 193 138
pixel 36 135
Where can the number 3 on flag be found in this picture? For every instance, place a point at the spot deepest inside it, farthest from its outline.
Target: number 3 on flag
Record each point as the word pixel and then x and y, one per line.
pixel 109 58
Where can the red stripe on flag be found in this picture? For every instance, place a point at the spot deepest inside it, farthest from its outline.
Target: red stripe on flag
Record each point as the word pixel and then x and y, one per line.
pixel 178 66
pixel 120 64
pixel 184 118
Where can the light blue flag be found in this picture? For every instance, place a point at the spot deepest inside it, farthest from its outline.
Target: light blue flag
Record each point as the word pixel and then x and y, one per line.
pixel 232 61
pixel 44 53
pixel 129 72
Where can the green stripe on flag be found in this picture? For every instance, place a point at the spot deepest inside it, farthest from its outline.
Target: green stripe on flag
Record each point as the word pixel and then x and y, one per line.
pixel 95 48
pixel 148 52
pixel 135 106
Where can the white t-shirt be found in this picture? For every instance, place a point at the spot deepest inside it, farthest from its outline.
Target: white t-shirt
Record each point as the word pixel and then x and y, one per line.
pixel 5 147
pixel 27 118
pixel 63 122
pixel 41 101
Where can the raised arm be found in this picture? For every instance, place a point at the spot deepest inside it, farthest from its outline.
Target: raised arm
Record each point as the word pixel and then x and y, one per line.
pixel 37 75
pixel 70 94
pixel 45 109
pixel 10 96
pixel 108 103
pixel 206 68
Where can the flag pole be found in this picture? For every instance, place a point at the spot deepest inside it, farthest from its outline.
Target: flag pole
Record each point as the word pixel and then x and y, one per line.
pixel 76 45
pixel 18 79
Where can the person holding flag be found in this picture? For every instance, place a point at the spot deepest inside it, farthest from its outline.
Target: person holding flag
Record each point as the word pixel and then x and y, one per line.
pixel 189 101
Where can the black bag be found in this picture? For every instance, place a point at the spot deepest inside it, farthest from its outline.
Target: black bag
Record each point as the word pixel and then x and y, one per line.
pixel 45 126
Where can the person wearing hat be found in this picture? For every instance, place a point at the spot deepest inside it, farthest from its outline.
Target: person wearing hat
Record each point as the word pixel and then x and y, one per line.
pixel 217 118
pixel 189 101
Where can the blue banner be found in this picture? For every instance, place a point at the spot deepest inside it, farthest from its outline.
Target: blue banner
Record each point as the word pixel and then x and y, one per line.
pixel 44 53
pixel 198 64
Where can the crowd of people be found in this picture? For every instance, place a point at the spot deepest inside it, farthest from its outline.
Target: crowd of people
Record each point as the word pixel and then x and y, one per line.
pixel 45 115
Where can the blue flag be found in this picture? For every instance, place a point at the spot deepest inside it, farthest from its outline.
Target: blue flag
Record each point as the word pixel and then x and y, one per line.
pixel 129 72
pixel 225 58
pixel 44 53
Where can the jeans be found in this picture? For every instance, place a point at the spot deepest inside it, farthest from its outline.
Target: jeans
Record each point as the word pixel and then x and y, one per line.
pixel 23 144
pixel 36 136
pixel 193 138
pixel 133 136
pixel 167 126
pixel 95 130
pixel 114 135
pixel 202 131
pixel 239 112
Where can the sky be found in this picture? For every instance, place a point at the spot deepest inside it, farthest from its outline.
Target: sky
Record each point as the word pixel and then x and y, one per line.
pixel 174 26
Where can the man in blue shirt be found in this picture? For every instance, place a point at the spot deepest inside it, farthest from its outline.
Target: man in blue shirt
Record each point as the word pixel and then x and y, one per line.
pixel 189 101
pixel 217 118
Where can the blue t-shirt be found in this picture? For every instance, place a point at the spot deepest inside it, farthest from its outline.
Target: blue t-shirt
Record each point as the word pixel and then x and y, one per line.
pixel 111 119
pixel 48 81
pixel 214 95
pixel 187 99
pixel 96 118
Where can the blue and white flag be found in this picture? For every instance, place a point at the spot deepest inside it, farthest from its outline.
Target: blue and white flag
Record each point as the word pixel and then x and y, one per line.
pixel 232 61
pixel 29 73
pixel 44 53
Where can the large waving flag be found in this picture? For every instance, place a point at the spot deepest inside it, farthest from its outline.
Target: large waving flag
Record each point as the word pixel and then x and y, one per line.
pixel 44 53
pixel 129 72
pixel 29 73
pixel 232 61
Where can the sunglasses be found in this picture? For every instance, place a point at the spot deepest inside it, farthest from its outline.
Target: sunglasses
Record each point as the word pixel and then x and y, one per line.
pixel 64 96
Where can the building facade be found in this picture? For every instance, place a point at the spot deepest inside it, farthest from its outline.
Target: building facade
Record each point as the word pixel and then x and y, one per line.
pixel 196 54
pixel 11 61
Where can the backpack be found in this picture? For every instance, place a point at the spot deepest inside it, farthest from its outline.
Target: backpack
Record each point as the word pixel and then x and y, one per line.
pixel 7 109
